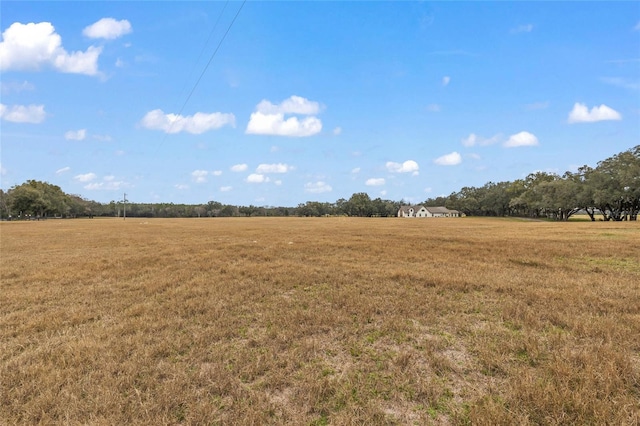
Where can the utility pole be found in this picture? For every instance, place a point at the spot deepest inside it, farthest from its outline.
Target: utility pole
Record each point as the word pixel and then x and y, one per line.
pixel 124 211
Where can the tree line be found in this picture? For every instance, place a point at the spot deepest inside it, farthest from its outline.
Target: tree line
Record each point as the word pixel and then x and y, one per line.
pixel 610 190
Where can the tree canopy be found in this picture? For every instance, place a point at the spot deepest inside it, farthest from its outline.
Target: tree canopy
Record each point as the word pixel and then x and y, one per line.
pixel 611 189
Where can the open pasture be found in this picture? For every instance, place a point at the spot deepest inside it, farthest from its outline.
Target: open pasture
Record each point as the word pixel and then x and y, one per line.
pixel 319 321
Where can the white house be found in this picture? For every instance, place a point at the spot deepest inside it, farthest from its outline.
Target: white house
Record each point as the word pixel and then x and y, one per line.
pixel 421 211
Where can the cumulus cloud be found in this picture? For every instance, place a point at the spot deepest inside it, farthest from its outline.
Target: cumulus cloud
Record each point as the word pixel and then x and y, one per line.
pixel 449 159
pixel 446 80
pixel 525 28
pixel 521 139
pixel 269 119
pixel 76 135
pixel 196 124
pixel 30 46
pixel 23 114
pixel 199 176
pixel 317 187
pixel 408 166
pixel 257 178
pixel 108 28
pixel 239 168
pixel 63 170
pixel 375 182
pixel 581 114
pixel 87 177
pixel 274 168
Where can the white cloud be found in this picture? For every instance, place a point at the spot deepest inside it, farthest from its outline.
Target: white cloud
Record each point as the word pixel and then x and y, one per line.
pixel 317 187
pixel 217 172
pixel 269 119
pixel 521 139
pixel 449 159
pixel 277 182
pixel 355 170
pixel 383 192
pixel 196 124
pixel 76 135
pixel 470 140
pixel 102 138
pixel 257 178
pixel 23 114
pixel 525 28
pixel 446 80
pixel 63 170
pixel 293 105
pixel 337 131
pixel 181 186
pixel 474 139
pixel 110 185
pixel 375 182
pixel 30 46
pixel 15 87
pixel 87 177
pixel 273 168
pixel 239 168
pixel 275 124
pixel 226 188
pixel 408 166
pixel 581 114
pixel 199 176
pixel 107 28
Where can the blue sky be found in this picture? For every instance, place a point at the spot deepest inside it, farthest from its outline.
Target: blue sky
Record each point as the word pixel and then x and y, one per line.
pixel 311 100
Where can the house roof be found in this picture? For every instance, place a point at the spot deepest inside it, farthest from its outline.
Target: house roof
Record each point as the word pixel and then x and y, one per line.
pixel 440 210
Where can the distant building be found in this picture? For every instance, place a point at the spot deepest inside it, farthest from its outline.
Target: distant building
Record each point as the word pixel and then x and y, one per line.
pixel 422 211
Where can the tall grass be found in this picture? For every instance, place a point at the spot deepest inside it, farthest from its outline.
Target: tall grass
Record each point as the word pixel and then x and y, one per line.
pixel 319 321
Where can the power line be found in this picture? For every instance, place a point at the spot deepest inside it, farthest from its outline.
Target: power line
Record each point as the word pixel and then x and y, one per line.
pixel 206 66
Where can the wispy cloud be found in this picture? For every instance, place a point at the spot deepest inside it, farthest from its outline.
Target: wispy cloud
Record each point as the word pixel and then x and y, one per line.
pixel 622 82
pixel 524 28
pixel 32 114
pixel 317 187
pixel 196 124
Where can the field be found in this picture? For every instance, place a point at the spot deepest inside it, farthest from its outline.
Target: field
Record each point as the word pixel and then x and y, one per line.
pixel 319 321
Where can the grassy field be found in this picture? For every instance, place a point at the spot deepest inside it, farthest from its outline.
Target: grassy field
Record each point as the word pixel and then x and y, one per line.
pixel 319 321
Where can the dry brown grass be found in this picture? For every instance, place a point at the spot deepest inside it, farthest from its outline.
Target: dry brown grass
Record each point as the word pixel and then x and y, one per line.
pixel 319 321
